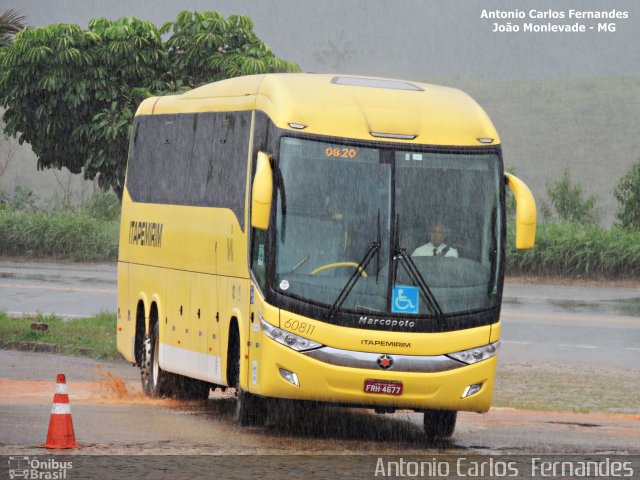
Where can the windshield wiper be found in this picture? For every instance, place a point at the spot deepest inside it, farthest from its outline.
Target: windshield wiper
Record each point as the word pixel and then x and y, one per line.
pixel 400 253
pixel 373 249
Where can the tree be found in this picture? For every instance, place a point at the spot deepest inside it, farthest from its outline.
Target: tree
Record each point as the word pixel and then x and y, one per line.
pixel 627 193
pixel 569 204
pixel 11 22
pixel 205 47
pixel 72 93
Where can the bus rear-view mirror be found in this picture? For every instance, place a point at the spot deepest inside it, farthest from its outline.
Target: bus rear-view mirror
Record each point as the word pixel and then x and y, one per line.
pixel 262 193
pixel 525 212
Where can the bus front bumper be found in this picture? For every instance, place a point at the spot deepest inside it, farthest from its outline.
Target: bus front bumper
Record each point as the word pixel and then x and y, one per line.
pixel 320 380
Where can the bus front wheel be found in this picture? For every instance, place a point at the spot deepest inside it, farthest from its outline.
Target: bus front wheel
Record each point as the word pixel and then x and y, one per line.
pixel 439 423
pixel 251 410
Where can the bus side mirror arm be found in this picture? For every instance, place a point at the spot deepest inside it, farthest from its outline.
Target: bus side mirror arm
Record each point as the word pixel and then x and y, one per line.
pixel 525 212
pixel 262 192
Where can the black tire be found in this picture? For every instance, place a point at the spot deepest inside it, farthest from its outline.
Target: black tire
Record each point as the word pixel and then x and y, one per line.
pixel 251 410
pixel 439 423
pixel 160 383
pixel 191 389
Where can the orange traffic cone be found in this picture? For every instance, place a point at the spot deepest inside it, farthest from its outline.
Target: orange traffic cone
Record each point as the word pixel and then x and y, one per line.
pixel 61 433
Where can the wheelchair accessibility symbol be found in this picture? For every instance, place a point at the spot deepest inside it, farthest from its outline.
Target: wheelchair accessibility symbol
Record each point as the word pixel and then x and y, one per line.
pixel 405 299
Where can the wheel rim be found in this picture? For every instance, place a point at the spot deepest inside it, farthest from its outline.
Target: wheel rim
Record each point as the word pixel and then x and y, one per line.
pixel 156 363
pixel 145 366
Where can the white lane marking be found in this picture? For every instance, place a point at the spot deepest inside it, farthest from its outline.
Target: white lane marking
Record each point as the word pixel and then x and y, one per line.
pixel 634 349
pixel 516 342
pixel 566 345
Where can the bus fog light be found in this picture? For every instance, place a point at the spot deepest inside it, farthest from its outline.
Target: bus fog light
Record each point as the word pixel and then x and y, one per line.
pixel 471 389
pixel 290 377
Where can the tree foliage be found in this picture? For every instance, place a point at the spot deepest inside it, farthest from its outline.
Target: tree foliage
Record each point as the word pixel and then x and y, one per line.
pixel 205 47
pixel 568 203
pixel 11 22
pixel 627 193
pixel 72 93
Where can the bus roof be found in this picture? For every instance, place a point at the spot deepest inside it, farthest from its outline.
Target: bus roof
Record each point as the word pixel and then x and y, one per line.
pixel 349 106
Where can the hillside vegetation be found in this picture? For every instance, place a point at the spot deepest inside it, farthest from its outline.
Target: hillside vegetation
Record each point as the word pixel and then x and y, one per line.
pixel 586 125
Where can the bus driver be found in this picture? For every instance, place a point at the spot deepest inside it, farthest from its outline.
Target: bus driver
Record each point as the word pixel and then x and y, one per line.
pixel 436 246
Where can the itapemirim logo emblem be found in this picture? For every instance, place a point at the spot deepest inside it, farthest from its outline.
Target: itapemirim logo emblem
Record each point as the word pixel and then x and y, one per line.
pixel 385 362
pixel 35 468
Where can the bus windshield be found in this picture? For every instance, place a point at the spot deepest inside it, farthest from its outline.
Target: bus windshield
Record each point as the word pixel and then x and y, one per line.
pixel 334 201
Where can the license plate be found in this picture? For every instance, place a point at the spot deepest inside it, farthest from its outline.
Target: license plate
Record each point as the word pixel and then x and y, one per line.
pixel 384 387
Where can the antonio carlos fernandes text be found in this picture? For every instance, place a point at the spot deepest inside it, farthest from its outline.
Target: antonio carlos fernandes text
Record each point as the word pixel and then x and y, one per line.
pixel 492 467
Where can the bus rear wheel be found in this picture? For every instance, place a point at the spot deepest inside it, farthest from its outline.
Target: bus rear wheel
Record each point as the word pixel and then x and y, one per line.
pixel 155 381
pixel 439 423
pixel 145 366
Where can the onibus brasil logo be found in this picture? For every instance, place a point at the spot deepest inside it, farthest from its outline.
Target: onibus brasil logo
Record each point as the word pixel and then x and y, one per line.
pixel 35 468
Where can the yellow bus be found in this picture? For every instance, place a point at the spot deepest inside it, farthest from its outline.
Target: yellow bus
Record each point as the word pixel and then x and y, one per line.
pixel 273 238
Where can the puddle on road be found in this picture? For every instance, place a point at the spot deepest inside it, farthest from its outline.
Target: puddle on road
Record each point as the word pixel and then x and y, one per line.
pixel 621 306
pixel 629 306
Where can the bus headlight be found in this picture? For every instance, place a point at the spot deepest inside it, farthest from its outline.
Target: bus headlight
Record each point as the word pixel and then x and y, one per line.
pixel 475 355
pixel 291 340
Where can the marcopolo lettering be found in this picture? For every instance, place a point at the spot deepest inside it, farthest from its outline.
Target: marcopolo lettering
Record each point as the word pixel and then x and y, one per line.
pixel 146 234
pixel 386 322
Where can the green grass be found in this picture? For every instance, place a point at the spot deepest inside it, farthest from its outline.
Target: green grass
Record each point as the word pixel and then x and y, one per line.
pixel 93 337
pixel 566 249
pixel 58 234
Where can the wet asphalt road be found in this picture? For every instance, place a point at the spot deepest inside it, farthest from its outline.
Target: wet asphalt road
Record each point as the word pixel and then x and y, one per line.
pixel 107 424
pixel 573 324
pixel 68 289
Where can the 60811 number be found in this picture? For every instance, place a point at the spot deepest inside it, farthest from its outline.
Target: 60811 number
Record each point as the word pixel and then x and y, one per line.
pixel 297 326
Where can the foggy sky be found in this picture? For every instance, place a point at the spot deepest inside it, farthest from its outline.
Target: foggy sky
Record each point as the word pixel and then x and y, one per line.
pixel 416 39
